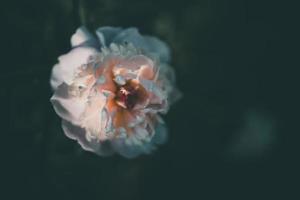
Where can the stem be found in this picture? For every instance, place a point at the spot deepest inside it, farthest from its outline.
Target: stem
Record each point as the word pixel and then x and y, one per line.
pixel 79 13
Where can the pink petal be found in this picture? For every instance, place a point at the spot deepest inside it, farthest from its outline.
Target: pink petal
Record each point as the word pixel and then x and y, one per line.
pixel 82 36
pixel 77 133
pixel 66 105
pixel 65 69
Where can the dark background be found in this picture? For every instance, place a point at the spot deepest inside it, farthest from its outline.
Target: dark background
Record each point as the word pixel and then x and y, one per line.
pixel 233 135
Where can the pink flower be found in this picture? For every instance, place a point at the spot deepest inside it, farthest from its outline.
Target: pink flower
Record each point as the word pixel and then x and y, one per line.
pixel 110 90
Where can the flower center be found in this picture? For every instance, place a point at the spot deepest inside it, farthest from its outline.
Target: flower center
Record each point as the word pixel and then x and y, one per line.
pixel 128 95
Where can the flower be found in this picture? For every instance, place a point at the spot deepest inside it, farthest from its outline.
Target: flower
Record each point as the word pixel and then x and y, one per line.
pixel 110 90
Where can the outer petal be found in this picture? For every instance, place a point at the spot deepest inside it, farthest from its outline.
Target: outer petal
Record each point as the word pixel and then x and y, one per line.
pixel 156 94
pixel 77 133
pixel 68 107
pixel 67 65
pixel 128 147
pixel 149 44
pixel 92 118
pixel 82 37
pixel 159 47
pixel 166 81
pixel 140 142
pixel 161 133
pixel 106 34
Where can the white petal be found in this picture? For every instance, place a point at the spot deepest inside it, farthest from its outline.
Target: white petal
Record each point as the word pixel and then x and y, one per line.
pixel 167 82
pixel 135 145
pixel 158 47
pixel 161 133
pixel 127 149
pixel 106 34
pixel 149 44
pixel 138 65
pixel 130 35
pixel 141 133
pixel 157 95
pixel 77 133
pixel 67 106
pixel 64 70
pixel 82 37
pixel 93 119
pixel 167 72
pixel 136 62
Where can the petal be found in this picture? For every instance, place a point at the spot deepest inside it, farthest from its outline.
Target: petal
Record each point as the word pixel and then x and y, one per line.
pixel 105 76
pixel 82 37
pixel 156 94
pixel 128 147
pixel 161 133
pixel 65 69
pixel 141 142
pixel 149 44
pixel 135 147
pixel 136 66
pixel 92 118
pixel 77 133
pixel 68 106
pixel 166 71
pixel 136 62
pixel 106 34
pixel 159 47
pixel 166 80
pixel 146 72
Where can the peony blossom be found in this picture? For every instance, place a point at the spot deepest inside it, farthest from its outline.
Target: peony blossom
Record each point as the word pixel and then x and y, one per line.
pixel 111 88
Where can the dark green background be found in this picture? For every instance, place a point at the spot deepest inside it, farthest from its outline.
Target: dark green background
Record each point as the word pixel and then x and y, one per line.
pixel 232 135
